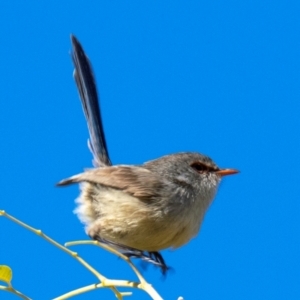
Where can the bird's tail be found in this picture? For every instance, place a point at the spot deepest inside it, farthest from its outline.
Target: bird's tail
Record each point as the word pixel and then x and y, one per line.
pixel 86 85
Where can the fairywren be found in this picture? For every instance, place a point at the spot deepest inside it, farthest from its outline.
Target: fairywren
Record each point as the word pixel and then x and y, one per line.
pixel 139 209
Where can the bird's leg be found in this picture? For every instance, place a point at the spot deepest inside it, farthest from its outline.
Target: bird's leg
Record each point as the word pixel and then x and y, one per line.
pixel 154 258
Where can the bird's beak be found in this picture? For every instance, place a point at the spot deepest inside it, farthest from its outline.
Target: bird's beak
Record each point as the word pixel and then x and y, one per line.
pixel 225 172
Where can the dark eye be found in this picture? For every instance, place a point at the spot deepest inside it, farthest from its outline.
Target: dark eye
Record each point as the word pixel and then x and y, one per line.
pixel 199 167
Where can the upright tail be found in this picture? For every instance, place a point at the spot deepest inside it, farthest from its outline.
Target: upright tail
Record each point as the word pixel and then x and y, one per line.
pixel 86 85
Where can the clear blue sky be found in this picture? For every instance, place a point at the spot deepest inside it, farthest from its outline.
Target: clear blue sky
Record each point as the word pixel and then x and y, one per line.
pixel 218 77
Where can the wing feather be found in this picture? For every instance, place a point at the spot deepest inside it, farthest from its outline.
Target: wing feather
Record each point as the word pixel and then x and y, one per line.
pixel 136 181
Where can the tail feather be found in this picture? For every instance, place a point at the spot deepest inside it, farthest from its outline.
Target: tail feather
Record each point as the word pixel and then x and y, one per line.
pixel 86 85
pixel 69 181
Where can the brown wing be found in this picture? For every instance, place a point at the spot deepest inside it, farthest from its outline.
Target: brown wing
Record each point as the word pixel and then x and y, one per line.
pixel 136 181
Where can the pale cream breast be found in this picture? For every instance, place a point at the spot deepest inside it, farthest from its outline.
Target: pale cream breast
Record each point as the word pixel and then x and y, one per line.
pixel 124 219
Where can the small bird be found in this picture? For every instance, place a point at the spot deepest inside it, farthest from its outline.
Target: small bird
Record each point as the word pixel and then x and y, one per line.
pixel 139 209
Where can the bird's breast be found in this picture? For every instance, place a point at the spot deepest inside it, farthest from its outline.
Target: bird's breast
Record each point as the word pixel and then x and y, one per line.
pixel 151 226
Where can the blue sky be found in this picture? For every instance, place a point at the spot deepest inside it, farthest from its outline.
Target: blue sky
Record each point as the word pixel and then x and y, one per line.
pixel 218 77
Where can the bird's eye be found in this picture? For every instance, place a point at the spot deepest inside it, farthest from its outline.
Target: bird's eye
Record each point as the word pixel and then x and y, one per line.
pixel 199 167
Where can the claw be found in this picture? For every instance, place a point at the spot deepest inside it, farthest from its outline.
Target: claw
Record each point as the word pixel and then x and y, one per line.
pixel 154 258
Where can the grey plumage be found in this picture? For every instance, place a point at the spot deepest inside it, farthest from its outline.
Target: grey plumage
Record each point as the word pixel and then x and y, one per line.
pixel 139 209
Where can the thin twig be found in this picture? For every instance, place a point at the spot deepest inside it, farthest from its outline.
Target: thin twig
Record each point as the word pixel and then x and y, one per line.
pixel 85 289
pixel 104 282
pixel 10 289
pixel 75 255
pixel 143 285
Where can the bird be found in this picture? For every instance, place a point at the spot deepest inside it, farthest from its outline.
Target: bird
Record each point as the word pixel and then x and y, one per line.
pixel 139 209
